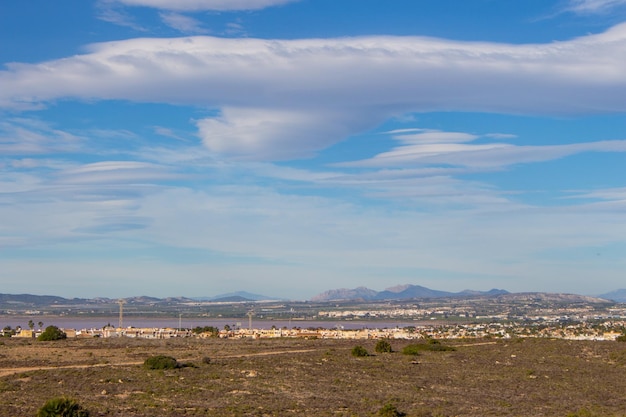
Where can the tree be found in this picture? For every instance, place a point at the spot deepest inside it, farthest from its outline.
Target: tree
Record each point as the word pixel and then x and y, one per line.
pixel 213 331
pixel 31 324
pixel 62 407
pixel 40 324
pixel 52 333
pixel 383 346
pixel 8 331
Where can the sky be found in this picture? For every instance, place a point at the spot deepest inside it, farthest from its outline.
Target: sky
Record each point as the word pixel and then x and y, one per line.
pixel 288 147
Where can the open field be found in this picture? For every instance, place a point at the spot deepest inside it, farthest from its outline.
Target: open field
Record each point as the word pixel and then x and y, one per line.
pixel 283 377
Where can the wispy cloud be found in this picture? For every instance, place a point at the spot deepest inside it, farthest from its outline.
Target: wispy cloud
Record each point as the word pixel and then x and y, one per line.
pixel 22 136
pixel 483 155
pixel 199 5
pixel 110 11
pixel 182 23
pixel 594 6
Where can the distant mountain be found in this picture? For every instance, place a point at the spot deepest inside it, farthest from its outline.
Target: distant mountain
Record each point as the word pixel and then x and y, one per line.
pixel 412 291
pixel 31 299
pixel 237 296
pixel 360 293
pixel 492 292
pixel 232 299
pixel 551 297
pixel 399 292
pixel 619 296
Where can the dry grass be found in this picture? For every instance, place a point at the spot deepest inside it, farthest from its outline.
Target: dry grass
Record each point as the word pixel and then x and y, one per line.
pixel 531 377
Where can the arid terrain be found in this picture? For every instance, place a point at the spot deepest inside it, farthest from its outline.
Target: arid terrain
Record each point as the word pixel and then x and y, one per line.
pixel 283 377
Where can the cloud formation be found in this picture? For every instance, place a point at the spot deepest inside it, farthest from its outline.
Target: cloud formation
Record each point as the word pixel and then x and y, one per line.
pixel 270 92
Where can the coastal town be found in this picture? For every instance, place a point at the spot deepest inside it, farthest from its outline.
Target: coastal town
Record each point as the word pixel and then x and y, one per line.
pixel 605 330
pixel 540 315
pixel 560 328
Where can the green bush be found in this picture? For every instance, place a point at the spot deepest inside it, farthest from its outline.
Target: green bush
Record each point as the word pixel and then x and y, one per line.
pixel 62 407
pixel 359 351
pixel 383 346
pixel 52 333
pixel 160 362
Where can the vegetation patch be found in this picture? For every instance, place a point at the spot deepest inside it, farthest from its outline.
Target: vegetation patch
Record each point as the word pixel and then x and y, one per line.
pixel 161 362
pixel 52 333
pixel 412 349
pixel 390 410
pixel 359 351
pixel 383 346
pixel 62 407
pixel 432 345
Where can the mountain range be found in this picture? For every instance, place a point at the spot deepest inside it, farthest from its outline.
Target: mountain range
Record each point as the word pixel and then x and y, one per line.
pixel 237 297
pixel 619 296
pixel 400 292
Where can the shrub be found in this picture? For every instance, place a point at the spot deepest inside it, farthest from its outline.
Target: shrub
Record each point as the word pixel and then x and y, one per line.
pixel 52 333
pixel 359 351
pixel 390 410
pixel 383 346
pixel 62 407
pixel 412 349
pixel 160 362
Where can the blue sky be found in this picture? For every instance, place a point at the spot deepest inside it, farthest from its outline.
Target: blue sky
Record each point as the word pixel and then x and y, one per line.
pixel 287 147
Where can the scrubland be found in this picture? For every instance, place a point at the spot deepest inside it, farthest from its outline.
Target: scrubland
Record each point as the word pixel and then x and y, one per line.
pixel 298 377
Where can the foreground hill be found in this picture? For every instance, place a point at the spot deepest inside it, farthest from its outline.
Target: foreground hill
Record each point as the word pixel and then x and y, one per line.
pixel 296 377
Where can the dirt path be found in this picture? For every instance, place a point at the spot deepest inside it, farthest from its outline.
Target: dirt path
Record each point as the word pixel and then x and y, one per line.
pixel 12 371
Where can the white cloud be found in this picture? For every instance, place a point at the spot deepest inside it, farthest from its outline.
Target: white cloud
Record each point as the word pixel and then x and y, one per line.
pixel 182 23
pixel 270 92
pixel 275 134
pixel 199 5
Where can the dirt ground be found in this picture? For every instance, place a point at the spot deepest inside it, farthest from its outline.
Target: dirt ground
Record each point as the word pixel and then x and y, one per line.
pixel 283 377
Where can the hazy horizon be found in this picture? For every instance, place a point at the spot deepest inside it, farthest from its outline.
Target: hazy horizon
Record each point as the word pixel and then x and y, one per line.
pixel 296 146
